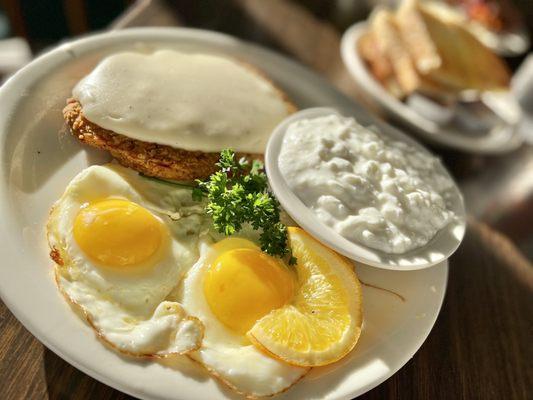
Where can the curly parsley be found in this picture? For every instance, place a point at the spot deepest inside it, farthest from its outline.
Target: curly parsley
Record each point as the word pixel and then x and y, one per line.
pixel 237 194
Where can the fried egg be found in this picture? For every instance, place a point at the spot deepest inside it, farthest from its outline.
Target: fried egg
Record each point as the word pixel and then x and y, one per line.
pixel 233 285
pixel 121 244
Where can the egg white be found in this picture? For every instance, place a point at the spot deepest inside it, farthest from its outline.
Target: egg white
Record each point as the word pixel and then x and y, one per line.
pixel 127 307
pixel 227 355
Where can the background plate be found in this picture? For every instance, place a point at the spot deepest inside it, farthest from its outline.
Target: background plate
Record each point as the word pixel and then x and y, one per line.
pixel 501 139
pixel 37 163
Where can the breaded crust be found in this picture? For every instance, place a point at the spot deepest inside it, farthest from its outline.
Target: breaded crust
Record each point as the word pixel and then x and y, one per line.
pixel 148 158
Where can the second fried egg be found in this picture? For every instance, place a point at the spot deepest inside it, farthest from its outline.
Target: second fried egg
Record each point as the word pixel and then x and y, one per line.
pixel 232 285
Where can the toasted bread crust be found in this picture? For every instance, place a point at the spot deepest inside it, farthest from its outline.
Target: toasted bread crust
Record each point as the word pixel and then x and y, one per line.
pixel 151 159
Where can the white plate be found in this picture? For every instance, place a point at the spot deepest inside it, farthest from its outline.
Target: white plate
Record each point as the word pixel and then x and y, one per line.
pixel 500 139
pixel 36 165
pixel 440 248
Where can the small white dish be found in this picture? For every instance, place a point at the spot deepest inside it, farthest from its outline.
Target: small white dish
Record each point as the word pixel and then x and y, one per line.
pixel 440 248
pixel 501 138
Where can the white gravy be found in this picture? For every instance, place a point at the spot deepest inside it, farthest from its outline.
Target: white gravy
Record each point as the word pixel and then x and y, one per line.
pixel 189 101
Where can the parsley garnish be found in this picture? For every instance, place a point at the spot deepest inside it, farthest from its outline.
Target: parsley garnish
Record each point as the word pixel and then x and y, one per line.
pixel 237 194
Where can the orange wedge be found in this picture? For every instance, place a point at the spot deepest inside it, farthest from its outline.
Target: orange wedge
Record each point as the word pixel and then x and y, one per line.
pixel 323 321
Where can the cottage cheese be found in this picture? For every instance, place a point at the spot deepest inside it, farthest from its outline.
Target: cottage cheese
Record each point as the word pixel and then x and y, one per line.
pixel 372 190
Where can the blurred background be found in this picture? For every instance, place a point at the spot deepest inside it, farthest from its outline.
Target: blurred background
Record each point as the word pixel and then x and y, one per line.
pixel 498 189
pixel 43 23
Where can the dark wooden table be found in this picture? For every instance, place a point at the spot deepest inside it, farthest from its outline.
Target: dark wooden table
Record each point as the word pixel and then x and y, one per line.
pixel 482 344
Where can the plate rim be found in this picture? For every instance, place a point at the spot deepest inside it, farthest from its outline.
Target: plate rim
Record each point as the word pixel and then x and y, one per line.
pixel 8 96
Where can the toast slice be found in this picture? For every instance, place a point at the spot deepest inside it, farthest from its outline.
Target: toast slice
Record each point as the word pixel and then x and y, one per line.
pixel 447 54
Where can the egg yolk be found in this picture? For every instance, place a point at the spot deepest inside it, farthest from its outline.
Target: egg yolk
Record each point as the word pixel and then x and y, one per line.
pixel 117 232
pixel 242 285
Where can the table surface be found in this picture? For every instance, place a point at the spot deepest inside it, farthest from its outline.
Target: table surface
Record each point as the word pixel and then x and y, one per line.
pixel 482 344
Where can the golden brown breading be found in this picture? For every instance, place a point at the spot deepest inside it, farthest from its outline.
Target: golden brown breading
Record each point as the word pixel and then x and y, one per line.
pixel 149 158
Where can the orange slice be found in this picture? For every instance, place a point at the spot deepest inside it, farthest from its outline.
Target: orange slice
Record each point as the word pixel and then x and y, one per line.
pixel 323 321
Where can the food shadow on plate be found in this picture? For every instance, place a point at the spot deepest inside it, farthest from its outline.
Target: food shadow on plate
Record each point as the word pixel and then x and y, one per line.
pixel 40 151
pixel 38 144
pixel 384 308
pixel 181 364
pixel 326 379
pixel 62 377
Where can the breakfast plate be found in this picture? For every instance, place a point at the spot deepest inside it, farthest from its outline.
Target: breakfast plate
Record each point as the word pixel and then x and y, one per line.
pixel 424 118
pixel 37 162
